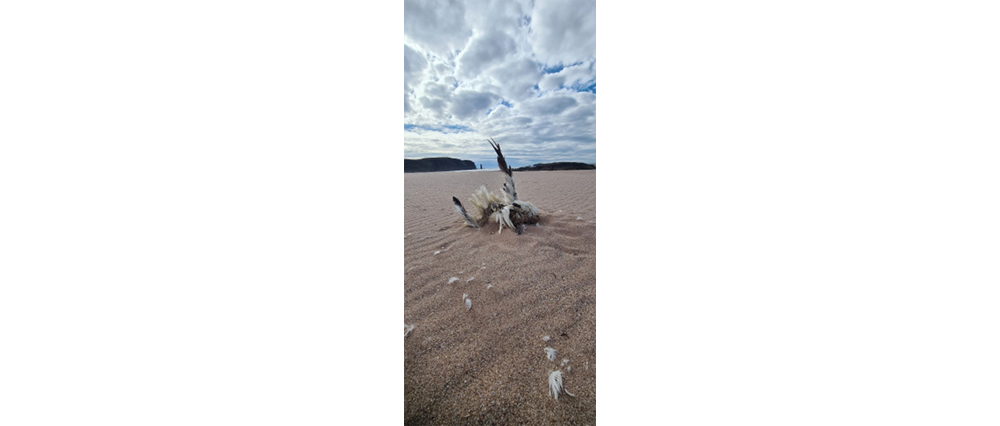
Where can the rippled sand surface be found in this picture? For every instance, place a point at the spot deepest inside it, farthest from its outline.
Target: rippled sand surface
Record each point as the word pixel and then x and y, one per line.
pixel 488 364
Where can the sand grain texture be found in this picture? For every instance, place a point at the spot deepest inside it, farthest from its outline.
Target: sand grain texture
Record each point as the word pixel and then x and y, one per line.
pixel 487 365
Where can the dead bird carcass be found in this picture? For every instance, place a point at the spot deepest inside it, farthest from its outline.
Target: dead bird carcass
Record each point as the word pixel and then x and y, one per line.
pixel 503 208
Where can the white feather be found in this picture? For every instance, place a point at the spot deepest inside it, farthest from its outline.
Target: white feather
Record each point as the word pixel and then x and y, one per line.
pixel 452 279
pixel 407 328
pixel 468 304
pixel 550 353
pixel 556 385
pixel 498 217
pixel 506 217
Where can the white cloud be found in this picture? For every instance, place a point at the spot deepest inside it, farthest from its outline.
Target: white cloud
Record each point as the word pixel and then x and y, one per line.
pixel 565 31
pixel 483 52
pixel 497 15
pixel 413 69
pixel 436 25
pixel 580 74
pixel 550 105
pixel 521 71
pixel 517 78
pixel 468 104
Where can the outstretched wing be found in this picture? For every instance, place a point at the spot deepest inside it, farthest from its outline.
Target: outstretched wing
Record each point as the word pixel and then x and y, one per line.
pixel 465 214
pixel 509 186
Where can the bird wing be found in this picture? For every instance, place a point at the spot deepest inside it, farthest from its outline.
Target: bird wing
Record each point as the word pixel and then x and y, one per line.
pixel 465 214
pixel 509 186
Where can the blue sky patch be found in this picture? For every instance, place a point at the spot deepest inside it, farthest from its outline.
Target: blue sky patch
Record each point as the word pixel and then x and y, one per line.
pixel 557 67
pixel 502 102
pixel 553 69
pixel 590 86
pixel 451 128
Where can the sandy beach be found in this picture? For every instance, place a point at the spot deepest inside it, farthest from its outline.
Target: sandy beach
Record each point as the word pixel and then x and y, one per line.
pixel 488 364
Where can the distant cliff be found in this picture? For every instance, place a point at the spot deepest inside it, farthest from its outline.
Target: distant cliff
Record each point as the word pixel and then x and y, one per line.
pixel 557 166
pixel 438 164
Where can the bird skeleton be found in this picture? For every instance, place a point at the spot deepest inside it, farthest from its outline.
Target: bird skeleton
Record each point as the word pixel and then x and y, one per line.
pixel 504 208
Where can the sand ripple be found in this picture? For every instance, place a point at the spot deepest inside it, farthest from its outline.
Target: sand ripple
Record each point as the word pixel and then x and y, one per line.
pixel 487 365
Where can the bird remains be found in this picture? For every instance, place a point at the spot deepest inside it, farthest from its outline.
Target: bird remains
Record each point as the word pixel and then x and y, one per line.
pixel 504 208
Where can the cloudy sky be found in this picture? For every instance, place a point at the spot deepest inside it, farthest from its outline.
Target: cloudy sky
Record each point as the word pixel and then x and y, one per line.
pixel 522 72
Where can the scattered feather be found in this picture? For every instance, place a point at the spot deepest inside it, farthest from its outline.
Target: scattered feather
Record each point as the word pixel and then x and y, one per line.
pixel 407 328
pixel 546 338
pixel 470 279
pixel 556 386
pixel 550 353
pixel 436 252
pixel 569 368
pixel 464 296
pixel 468 304
pixel 579 218
pixel 489 286
pixel 452 279
pixel 564 362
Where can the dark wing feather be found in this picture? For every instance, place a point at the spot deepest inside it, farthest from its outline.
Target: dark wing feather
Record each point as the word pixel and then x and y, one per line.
pixel 465 214
pixel 509 186
pixel 500 160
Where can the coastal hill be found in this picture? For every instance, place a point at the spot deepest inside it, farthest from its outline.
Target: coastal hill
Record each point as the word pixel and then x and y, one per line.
pixel 437 164
pixel 557 166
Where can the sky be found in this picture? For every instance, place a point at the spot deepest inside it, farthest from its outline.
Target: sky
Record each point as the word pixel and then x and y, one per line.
pixel 521 72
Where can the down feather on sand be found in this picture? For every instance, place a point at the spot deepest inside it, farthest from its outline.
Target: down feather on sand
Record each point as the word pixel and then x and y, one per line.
pixel 556 385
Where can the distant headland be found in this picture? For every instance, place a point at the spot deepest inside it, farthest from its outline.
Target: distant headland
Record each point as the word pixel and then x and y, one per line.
pixel 448 164
pixel 557 166
pixel 437 164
